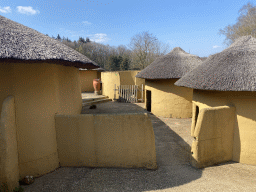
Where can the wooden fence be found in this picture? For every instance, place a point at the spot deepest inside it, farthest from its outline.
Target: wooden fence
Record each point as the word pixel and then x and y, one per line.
pixel 128 93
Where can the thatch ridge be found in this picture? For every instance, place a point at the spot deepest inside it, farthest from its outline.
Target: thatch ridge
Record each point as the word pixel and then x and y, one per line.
pixel 172 65
pixel 233 69
pixel 19 42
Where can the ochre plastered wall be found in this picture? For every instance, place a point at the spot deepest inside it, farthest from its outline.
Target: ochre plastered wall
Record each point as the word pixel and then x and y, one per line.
pixel 110 79
pixel 40 92
pixel 244 143
pixel 213 135
pixel 99 74
pixel 168 100
pixel 9 168
pixel 106 140
pixel 140 82
pixel 86 77
pixel 127 77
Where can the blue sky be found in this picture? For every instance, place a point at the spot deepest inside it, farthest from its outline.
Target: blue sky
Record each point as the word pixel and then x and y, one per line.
pixel 192 25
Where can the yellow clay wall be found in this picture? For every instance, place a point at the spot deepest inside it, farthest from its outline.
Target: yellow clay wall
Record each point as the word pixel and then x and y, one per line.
pixel 9 168
pixel 244 124
pixel 40 92
pixel 106 140
pixel 86 78
pixel 168 100
pixel 213 135
pixel 140 82
pixel 109 79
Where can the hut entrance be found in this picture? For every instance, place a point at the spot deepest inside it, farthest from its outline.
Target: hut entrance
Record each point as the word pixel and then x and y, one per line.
pixel 148 98
pixel 196 114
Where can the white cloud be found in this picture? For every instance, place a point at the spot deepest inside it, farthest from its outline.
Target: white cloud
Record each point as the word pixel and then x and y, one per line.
pixel 216 46
pixel 86 23
pixel 99 37
pixel 5 9
pixel 71 33
pixel 27 10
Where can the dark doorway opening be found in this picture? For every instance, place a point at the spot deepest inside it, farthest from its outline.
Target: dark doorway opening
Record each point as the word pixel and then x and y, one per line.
pixel 196 115
pixel 148 103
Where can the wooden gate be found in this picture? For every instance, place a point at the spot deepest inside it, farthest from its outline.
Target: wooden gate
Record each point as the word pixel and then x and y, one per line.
pixel 128 93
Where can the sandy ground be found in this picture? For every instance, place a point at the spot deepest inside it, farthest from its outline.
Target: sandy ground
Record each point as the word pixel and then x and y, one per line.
pixel 174 173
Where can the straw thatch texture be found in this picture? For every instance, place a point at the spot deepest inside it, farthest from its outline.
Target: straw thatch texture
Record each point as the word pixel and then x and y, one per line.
pixel 19 42
pixel 233 69
pixel 98 69
pixel 173 65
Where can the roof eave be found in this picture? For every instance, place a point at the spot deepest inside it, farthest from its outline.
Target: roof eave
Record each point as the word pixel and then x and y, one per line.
pixel 76 64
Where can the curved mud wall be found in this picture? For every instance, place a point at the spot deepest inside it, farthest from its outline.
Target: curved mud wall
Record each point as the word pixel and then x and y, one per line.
pixel 212 130
pixel 86 77
pixel 9 168
pixel 244 143
pixel 168 100
pixel 40 92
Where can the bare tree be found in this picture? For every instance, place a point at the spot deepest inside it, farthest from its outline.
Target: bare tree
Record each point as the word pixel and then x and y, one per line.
pixel 145 49
pixel 245 25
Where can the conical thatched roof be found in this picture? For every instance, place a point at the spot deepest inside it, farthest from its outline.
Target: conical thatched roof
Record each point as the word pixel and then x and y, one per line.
pixel 173 65
pixel 233 69
pixel 21 43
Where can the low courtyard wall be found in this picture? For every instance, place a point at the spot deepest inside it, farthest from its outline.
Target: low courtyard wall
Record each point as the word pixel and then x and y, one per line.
pixel 213 132
pixel 106 140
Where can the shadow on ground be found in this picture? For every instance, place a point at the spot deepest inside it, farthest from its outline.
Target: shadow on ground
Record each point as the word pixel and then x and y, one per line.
pixel 173 154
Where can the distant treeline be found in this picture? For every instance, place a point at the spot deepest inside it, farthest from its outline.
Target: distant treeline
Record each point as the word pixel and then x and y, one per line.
pixel 144 49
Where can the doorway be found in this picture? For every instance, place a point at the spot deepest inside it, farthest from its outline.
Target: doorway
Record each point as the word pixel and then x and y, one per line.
pixel 148 98
pixel 196 114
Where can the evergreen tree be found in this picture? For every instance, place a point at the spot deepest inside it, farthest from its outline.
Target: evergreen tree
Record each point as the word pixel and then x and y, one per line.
pixel 81 40
pixel 124 65
pixel 58 37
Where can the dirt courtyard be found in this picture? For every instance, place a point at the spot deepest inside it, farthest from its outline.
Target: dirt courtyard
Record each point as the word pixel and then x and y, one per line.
pixel 174 173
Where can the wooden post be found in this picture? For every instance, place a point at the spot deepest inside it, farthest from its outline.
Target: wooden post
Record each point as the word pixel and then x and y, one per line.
pixel 115 93
pixel 126 93
pixel 119 91
pixel 136 93
pixel 133 94
pixel 142 93
pixel 130 95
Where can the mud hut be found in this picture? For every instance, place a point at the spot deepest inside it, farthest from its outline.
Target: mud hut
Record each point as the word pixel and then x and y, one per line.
pixel 224 103
pixel 87 76
pixel 162 97
pixel 39 78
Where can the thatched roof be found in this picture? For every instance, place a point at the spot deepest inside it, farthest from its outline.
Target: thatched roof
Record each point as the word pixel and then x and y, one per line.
pixel 98 69
pixel 173 65
pixel 203 58
pixel 233 69
pixel 22 43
